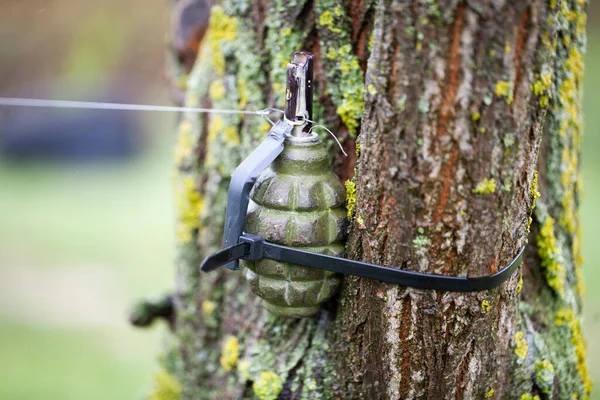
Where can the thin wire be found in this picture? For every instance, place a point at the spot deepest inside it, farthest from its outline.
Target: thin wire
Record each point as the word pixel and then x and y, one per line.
pixel 271 109
pixel 331 133
pixel 22 102
pixel 92 105
pixel 266 117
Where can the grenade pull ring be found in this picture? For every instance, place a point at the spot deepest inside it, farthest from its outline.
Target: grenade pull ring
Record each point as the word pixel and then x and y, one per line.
pixel 276 250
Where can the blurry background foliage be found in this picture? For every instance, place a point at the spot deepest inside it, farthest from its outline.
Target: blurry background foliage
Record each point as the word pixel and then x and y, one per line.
pixel 79 242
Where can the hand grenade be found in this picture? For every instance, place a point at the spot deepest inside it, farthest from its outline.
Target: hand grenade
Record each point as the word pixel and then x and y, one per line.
pixel 298 202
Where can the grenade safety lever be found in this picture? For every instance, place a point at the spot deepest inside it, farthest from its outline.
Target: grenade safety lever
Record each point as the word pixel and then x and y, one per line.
pixel 243 179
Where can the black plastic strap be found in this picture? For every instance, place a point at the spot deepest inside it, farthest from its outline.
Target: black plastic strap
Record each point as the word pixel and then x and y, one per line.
pixel 255 248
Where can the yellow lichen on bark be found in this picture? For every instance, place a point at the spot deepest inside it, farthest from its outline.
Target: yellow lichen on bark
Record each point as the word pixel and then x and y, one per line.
pixel 567 317
pixel 230 353
pixel 553 269
pixel 267 386
pixel 350 197
pixel 521 346
pixel 166 387
pixel 183 148
pixel 504 89
pixel 222 28
pixel 188 202
pixel 486 186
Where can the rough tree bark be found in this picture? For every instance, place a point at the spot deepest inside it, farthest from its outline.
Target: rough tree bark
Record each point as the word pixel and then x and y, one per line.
pixel 470 108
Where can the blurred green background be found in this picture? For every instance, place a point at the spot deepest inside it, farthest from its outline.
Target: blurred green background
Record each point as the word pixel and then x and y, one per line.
pixel 78 244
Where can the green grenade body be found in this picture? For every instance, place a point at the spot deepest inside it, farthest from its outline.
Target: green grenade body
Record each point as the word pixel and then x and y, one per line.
pixel 298 202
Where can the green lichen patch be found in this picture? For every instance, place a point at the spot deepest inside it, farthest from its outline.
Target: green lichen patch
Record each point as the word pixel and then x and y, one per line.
pixel 221 29
pixel 184 147
pixel 216 90
pixel 543 88
pixel 528 396
pixel 208 307
pixel 166 387
pixel 508 140
pixel 578 260
pixel 230 353
pixel 267 386
pixel 544 376
pixel 349 97
pixel 244 370
pixel 504 89
pixel 521 347
pixel 535 195
pixel 568 180
pixel 567 120
pixel 327 20
pixel 188 203
pixel 486 186
pixel 551 260
pixel 558 85
pixel 345 80
pixel 350 197
pixel 361 222
pixel 566 317
pixel 371 89
pixel 420 241
pixel 485 305
pixel 423 105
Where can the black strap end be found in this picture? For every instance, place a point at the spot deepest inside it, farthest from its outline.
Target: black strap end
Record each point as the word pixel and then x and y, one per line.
pixel 224 257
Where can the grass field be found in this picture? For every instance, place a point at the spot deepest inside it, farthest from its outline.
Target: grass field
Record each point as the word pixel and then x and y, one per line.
pixel 77 247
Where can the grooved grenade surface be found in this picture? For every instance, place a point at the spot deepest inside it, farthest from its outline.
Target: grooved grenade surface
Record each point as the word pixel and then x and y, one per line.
pixel 297 202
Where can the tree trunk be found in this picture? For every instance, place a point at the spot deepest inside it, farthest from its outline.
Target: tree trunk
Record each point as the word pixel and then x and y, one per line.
pixel 463 102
